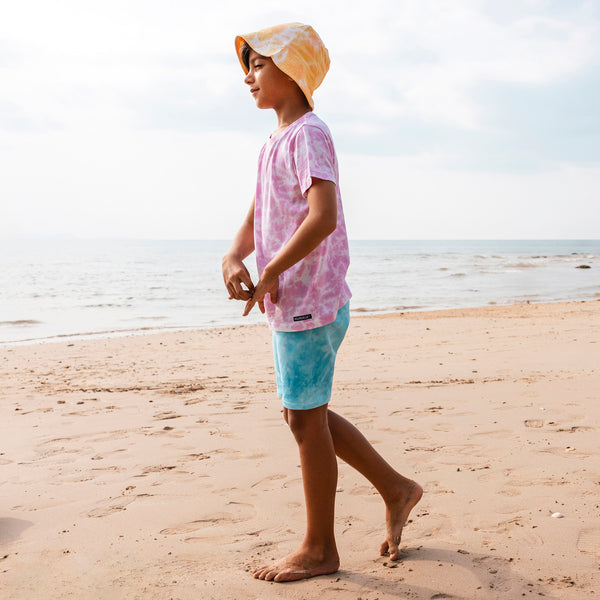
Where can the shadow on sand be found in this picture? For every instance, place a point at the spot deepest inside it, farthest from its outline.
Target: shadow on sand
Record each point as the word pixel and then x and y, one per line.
pixel 487 576
pixel 11 529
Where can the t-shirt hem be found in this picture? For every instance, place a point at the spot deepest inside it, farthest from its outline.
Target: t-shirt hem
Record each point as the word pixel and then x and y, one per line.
pixel 314 323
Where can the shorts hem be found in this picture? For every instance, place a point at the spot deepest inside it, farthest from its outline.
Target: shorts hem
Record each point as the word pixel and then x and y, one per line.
pixel 291 405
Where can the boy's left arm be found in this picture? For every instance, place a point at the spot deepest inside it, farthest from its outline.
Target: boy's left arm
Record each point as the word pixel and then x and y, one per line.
pixel 319 223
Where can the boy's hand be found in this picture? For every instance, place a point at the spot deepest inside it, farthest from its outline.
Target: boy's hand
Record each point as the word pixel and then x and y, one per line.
pixel 234 275
pixel 267 284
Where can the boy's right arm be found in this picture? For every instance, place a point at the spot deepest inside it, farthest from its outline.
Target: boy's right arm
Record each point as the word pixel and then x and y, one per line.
pixel 234 271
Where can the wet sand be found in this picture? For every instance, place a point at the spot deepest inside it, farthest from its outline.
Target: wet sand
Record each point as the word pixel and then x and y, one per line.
pixel 159 466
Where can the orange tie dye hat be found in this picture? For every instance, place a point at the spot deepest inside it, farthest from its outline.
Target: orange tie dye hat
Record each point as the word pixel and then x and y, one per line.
pixel 295 48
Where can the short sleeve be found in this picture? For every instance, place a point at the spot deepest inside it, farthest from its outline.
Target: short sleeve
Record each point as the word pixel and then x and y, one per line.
pixel 314 156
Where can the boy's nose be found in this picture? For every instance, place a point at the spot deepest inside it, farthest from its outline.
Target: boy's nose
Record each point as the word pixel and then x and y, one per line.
pixel 249 78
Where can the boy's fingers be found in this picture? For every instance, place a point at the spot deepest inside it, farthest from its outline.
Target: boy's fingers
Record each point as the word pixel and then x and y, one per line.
pixel 257 296
pixel 236 290
pixel 249 306
pixel 244 295
pixel 245 278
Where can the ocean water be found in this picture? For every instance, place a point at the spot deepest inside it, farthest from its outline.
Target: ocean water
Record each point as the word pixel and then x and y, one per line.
pixel 54 289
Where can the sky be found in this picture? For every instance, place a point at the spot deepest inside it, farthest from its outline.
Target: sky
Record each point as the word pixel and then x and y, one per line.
pixel 452 119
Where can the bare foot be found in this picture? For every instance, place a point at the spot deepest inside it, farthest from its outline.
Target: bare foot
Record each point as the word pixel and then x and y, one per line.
pixel 396 515
pixel 300 565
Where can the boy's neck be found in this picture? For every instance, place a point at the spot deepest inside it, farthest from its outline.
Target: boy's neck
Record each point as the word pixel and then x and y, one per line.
pixel 290 112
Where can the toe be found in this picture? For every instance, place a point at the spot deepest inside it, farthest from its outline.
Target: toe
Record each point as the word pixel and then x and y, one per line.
pixel 383 548
pixel 394 551
pixel 259 573
pixel 282 576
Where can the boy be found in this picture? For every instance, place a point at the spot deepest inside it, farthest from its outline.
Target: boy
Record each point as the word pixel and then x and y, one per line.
pixel 296 225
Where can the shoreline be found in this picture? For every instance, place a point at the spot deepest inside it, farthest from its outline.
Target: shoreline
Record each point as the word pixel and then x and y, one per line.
pixel 158 466
pixel 83 290
pixel 355 313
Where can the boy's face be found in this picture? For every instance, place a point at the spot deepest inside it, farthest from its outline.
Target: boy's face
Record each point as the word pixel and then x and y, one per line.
pixel 269 86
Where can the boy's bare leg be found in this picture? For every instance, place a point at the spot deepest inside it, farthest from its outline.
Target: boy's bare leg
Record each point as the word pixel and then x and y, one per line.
pixel 318 553
pixel 399 493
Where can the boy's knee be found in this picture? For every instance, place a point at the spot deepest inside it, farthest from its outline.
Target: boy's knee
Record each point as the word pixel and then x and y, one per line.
pixel 297 424
pixel 302 423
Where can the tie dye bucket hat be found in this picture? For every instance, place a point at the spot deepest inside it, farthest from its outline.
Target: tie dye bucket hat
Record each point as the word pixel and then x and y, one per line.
pixel 296 49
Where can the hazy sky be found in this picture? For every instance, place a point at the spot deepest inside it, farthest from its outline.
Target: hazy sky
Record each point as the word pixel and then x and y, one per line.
pixel 452 119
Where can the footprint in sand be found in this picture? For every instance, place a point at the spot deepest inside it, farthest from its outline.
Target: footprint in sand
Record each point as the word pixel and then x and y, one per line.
pixel 516 528
pixel 191 401
pixel 536 423
pixel 469 450
pixel 435 487
pixel 500 434
pixel 110 506
pixel 157 469
pixel 165 416
pixel 194 526
pixel 508 492
pixel 439 527
pixel 53 447
pixel 118 434
pixel 422 449
pixel 269 479
pixel 574 429
pixel 567 452
pixel 535 481
pixel 238 513
pixel 364 490
pixel 295 482
pixel 589 541
pixel 199 456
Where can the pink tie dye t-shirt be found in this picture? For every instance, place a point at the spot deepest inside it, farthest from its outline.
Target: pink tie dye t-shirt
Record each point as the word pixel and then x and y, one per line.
pixel 314 289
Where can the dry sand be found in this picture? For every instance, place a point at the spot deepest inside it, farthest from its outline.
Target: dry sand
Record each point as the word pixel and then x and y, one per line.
pixel 159 467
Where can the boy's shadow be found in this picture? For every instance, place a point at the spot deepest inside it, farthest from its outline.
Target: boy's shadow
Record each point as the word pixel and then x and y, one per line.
pixel 493 577
pixel 11 529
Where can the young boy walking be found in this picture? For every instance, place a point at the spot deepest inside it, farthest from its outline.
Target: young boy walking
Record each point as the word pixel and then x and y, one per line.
pixel 296 226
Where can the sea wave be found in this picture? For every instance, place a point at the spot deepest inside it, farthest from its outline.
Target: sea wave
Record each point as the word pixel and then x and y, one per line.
pixel 20 323
pixel 57 289
pixel 385 309
pixel 522 265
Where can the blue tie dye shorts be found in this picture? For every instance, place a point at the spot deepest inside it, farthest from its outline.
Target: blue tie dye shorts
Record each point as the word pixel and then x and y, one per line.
pixel 304 362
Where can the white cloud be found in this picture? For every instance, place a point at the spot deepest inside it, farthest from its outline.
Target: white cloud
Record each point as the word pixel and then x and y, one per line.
pixel 399 58
pixel 150 184
pixel 131 118
pixel 398 198
pixel 461 47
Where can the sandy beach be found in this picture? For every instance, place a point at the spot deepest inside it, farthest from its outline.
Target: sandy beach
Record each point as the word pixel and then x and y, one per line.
pixel 159 466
